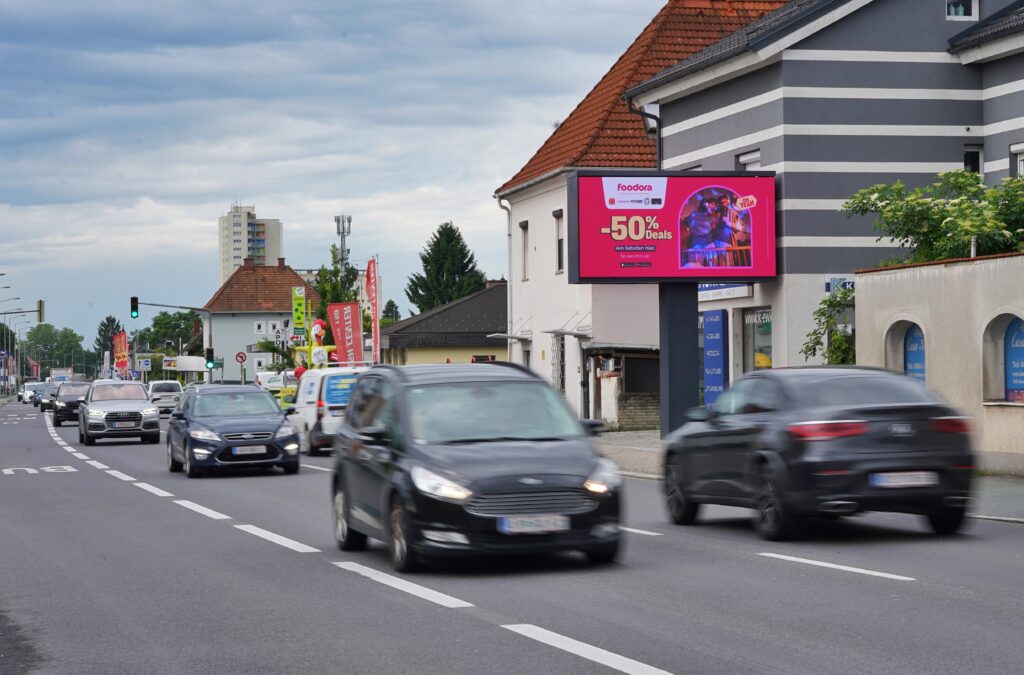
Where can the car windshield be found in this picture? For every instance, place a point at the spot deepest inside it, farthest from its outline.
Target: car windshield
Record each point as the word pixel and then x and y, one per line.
pixel 119 392
pixel 164 387
pixel 338 389
pixel 49 389
pixel 482 411
pixel 73 389
pixel 32 386
pixel 235 404
pixel 863 390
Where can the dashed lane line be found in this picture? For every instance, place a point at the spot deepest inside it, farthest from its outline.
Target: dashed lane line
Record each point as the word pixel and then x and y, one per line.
pixel 314 467
pixel 209 513
pixel 120 476
pixel 843 568
pixel 79 455
pixel 406 586
pixel 97 465
pixel 589 652
pixel 152 489
pixel 277 539
pixel 636 531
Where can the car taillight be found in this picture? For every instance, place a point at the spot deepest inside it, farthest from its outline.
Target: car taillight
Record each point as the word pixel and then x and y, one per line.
pixel 320 405
pixel 825 431
pixel 950 425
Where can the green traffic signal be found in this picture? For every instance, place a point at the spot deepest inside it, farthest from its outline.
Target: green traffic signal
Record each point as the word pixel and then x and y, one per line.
pixel 209 358
pixel 135 307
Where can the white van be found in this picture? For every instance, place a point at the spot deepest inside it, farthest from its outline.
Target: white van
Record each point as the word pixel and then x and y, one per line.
pixel 320 403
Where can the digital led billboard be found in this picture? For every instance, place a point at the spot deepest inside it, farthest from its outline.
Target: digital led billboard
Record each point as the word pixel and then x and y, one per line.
pixel 653 227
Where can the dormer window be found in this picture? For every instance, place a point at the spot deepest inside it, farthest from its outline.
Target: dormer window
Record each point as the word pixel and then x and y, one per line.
pixel 962 10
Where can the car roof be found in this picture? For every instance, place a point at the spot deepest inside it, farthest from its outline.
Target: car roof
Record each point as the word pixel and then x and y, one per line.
pixel 229 388
pixel 118 382
pixel 797 374
pixel 460 372
pixel 164 382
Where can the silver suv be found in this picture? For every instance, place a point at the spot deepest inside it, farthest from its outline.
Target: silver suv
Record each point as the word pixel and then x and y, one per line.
pixel 165 394
pixel 116 409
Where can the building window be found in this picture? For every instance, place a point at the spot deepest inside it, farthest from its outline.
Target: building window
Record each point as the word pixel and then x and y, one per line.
pixel 757 339
pixel 559 242
pixel 913 353
pixel 962 10
pixel 524 227
pixel 749 161
pixel 1017 160
pixel 974 159
pixel 526 357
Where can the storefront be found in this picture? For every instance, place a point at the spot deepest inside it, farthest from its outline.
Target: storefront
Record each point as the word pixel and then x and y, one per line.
pixel 757 339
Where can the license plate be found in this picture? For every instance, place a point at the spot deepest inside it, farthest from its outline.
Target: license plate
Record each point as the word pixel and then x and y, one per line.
pixel 124 425
pixel 249 450
pixel 903 479
pixel 533 524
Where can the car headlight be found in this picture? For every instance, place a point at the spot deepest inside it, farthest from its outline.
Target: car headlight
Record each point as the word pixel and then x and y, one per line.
pixel 150 411
pixel 96 413
pixel 285 430
pixel 604 479
pixel 430 483
pixel 60 404
pixel 204 435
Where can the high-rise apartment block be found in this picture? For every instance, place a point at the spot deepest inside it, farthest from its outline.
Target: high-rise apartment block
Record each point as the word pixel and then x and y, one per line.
pixel 242 235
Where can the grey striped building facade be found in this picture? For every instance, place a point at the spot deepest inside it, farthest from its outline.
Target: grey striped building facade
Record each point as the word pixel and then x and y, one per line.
pixel 835 96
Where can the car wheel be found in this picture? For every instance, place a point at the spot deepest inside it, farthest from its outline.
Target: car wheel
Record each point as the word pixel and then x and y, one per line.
pixel 190 471
pixel 88 440
pixel 681 509
pixel 151 438
pixel 306 446
pixel 347 538
pixel 56 421
pixel 173 465
pixel 403 558
pixel 81 438
pixel 290 469
pixel 604 554
pixel 773 520
pixel 947 520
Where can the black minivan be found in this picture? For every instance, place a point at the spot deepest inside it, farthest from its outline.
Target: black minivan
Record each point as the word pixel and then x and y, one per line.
pixel 484 458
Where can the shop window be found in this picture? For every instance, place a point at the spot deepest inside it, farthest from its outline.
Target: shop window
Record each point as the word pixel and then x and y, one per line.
pixel 1013 361
pixel 913 353
pixel 962 10
pixel 757 339
pixel 1002 355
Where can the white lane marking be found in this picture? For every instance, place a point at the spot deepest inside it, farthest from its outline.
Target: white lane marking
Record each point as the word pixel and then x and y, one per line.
pixel 209 513
pixel 97 465
pixel 153 489
pixel 314 467
pixel 844 568
pixel 636 531
pixel 589 652
pixel 277 539
pixel 80 455
pixel 1001 519
pixel 402 585
pixel 120 476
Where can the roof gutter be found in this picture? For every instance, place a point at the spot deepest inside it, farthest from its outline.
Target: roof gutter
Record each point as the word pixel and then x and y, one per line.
pixel 508 294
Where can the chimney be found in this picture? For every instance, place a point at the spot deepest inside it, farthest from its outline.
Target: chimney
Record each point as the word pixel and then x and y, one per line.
pixel 248 263
pixel 491 283
pixel 280 262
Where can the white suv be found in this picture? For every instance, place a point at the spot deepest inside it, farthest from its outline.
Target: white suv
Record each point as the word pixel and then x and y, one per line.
pixel 320 402
pixel 165 394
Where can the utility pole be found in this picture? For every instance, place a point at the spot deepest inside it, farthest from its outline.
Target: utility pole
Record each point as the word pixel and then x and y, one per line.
pixel 344 225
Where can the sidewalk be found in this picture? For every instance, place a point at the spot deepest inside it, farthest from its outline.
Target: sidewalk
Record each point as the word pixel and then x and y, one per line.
pixel 639 454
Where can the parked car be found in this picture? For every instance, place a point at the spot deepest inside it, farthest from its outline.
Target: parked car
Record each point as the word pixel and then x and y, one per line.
pixel 456 459
pixel 230 427
pixel 117 409
pixel 45 395
pixel 822 441
pixel 65 401
pixel 323 394
pixel 166 394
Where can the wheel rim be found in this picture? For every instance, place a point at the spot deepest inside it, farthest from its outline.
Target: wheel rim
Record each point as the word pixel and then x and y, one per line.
pixel 188 461
pixel 675 497
pixel 170 456
pixel 398 545
pixel 340 524
pixel 768 507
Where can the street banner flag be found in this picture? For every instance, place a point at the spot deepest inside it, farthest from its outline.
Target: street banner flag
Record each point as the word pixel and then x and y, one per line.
pixel 371 292
pixel 121 351
pixel 347 328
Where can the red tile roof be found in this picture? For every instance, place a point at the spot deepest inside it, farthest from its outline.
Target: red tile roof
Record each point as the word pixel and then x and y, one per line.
pixel 601 131
pixel 259 288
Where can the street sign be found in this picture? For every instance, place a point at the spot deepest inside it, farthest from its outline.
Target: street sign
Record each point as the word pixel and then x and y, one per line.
pixel 240 357
pixel 144 365
pixel 134 374
pixel 218 362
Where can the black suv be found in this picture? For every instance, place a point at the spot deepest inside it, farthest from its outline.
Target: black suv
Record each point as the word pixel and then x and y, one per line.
pixel 65 401
pixel 822 441
pixel 484 458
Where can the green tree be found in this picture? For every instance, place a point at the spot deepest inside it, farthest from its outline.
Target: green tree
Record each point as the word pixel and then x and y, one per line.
pixel 939 221
pixel 105 333
pixel 449 270
pixel 177 329
pixel 831 336
pixel 335 284
pixel 53 347
pixel 390 315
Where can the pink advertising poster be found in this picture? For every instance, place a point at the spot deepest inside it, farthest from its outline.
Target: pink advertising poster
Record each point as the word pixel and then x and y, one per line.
pixel 672 227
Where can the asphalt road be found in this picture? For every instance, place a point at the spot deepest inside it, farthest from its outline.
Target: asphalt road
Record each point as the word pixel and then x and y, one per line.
pixel 111 564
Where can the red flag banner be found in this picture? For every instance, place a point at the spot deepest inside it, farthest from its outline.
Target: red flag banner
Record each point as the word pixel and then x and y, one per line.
pixel 371 293
pixel 121 351
pixel 33 367
pixel 347 328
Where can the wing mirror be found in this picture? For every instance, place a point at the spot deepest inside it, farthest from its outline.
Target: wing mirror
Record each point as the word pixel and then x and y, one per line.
pixel 373 435
pixel 593 427
pixel 177 415
pixel 701 414
pixel 81 399
pixel 290 410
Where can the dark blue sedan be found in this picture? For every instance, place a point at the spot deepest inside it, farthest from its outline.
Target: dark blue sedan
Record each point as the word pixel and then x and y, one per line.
pixel 230 426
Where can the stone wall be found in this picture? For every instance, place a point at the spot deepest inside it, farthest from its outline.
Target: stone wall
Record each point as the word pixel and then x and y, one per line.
pixel 638 412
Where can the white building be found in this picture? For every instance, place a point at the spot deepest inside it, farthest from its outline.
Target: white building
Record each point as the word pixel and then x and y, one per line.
pixel 242 235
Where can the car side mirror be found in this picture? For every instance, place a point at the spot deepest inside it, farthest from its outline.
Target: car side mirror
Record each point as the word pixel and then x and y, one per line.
pixel 701 414
pixel 290 410
pixel 177 415
pixel 593 427
pixel 373 435
pixel 81 399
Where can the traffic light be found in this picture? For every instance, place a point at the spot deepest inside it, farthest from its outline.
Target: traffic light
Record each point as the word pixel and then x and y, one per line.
pixel 41 310
pixel 209 358
pixel 135 307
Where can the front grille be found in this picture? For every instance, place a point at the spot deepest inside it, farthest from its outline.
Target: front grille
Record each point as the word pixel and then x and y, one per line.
pixel 249 436
pixel 134 417
pixel 549 502
pixel 227 457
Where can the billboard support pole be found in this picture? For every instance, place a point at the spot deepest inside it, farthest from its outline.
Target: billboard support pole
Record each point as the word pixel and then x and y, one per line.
pixel 679 361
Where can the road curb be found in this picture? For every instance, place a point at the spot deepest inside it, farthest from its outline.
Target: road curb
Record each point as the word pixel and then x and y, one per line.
pixel 998 519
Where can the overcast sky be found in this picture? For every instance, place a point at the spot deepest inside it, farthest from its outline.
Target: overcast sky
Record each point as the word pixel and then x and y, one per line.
pixel 128 128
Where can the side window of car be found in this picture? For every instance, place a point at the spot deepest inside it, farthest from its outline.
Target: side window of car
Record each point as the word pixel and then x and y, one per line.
pixel 733 400
pixel 385 413
pixel 764 397
pixel 365 391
